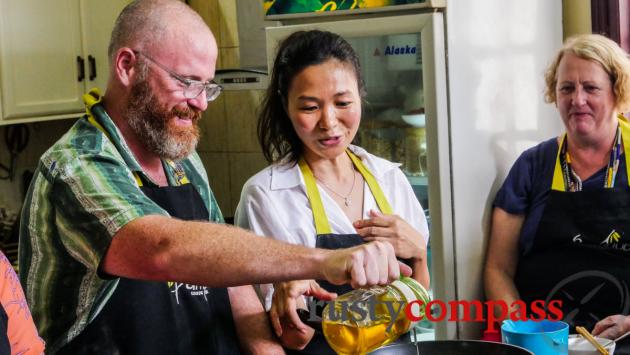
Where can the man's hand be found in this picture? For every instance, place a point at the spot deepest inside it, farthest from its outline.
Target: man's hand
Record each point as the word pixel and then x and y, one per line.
pixel 612 327
pixel 364 265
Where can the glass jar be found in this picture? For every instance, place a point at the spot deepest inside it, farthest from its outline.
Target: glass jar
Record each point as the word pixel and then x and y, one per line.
pixel 415 151
pixel 368 318
pixel 375 137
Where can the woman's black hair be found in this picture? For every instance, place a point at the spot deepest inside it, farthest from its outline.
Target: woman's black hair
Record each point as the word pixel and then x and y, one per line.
pixel 301 49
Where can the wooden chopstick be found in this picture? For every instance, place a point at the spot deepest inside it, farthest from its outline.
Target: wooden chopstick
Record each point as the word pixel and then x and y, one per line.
pixel 583 332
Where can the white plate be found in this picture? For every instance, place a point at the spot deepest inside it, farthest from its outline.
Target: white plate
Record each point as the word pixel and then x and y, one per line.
pixel 581 346
pixel 417 120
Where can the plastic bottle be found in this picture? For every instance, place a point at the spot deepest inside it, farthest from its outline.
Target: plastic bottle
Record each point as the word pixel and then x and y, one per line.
pixel 368 318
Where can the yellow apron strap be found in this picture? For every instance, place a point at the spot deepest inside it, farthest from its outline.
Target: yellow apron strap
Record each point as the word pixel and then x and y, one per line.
pixel 378 194
pixel 138 180
pixel 180 174
pixel 625 140
pixel 558 179
pixel 90 99
pixel 319 215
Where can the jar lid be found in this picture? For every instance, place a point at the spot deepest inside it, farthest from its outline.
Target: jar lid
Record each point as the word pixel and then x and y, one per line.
pixel 407 293
pixel 405 290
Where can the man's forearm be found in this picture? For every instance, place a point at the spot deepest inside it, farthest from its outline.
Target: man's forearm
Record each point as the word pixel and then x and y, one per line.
pixel 165 249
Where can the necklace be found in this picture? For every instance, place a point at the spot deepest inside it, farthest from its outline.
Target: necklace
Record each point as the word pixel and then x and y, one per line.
pixel 346 199
pixel 573 181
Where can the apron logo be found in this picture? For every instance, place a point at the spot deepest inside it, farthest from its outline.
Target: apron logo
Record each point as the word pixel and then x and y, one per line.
pixel 613 237
pixel 193 290
pixel 582 301
pixel 612 241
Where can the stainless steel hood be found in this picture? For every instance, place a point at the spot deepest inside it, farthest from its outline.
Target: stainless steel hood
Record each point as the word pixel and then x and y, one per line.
pixel 251 33
pixel 242 79
pixel 252 73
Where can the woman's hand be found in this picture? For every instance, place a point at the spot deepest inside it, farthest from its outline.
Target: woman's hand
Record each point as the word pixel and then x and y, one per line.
pixel 407 242
pixel 612 327
pixel 287 298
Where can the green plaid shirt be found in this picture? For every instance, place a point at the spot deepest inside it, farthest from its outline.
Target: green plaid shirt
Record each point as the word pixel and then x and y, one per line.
pixel 83 192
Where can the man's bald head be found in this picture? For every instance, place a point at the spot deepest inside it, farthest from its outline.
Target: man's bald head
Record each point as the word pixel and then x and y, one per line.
pixel 146 23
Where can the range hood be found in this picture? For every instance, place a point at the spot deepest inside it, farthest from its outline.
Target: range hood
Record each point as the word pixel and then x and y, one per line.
pixel 251 33
pixel 252 74
pixel 242 79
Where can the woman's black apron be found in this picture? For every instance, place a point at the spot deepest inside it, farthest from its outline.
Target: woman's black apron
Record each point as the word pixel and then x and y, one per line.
pixel 147 317
pixel 328 240
pixel 581 251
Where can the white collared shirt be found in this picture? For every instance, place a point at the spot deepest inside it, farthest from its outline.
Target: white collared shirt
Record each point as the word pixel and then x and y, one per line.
pixel 274 204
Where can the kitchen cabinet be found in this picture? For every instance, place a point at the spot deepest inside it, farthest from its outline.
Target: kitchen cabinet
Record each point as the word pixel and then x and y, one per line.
pixel 51 52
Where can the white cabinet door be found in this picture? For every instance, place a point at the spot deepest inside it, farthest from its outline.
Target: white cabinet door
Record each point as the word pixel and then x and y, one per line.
pixel 98 19
pixel 40 44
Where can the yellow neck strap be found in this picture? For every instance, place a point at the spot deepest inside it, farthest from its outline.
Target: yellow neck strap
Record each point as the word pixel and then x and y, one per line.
pixel 558 184
pixel 319 214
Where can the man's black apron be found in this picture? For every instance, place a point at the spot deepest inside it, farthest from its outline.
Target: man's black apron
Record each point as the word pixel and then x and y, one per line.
pixel 147 317
pixel 581 251
pixel 328 240
pixel 5 345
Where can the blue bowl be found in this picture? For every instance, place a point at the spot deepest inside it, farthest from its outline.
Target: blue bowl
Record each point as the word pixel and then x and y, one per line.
pixel 543 337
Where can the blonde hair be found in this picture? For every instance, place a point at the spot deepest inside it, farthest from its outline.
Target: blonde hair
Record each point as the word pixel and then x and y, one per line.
pixel 597 48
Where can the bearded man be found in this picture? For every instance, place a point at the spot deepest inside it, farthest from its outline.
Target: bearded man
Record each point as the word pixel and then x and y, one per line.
pixel 122 246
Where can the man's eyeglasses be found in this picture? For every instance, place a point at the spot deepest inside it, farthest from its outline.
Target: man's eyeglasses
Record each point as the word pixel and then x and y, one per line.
pixel 191 88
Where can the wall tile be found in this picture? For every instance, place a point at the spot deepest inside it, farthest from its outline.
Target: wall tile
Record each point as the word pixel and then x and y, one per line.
pixel 213 125
pixel 242 119
pixel 209 11
pixel 242 167
pixel 217 166
pixel 228 23
pixel 229 57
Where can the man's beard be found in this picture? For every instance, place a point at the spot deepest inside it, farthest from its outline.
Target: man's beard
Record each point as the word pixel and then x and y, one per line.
pixel 150 122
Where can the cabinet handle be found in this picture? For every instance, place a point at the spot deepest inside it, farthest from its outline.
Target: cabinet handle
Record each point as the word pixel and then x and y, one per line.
pixel 92 62
pixel 81 68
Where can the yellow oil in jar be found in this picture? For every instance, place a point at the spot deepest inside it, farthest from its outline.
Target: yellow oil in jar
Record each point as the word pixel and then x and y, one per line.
pixel 354 336
pixel 350 339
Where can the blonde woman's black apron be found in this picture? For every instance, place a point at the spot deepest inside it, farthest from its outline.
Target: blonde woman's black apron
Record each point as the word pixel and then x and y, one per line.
pixel 581 251
pixel 328 240
pixel 147 317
